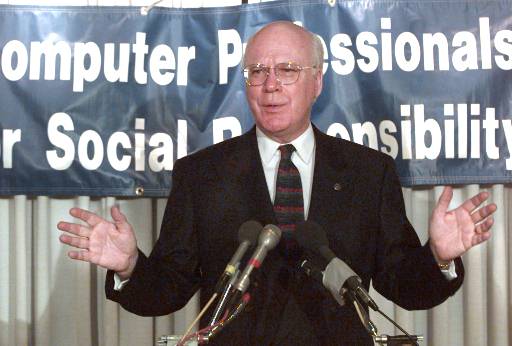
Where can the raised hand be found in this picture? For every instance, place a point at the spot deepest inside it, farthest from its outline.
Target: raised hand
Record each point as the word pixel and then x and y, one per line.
pixel 454 232
pixel 111 245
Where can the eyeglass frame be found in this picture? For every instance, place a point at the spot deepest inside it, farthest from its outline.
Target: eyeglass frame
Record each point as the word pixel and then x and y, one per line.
pixel 267 72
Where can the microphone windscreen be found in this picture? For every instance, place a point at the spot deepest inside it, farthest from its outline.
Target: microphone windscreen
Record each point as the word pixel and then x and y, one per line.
pixel 336 274
pixel 311 236
pixel 270 236
pixel 249 232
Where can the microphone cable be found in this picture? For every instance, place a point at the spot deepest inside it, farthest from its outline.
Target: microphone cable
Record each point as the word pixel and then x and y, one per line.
pixel 214 330
pixel 186 335
pixel 205 334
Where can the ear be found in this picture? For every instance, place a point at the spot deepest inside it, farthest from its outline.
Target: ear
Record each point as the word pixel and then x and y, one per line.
pixel 319 78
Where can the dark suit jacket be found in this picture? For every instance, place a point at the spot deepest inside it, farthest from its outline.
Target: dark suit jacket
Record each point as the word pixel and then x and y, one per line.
pixel 217 189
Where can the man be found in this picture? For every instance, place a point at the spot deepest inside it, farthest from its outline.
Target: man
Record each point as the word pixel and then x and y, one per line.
pixel 351 191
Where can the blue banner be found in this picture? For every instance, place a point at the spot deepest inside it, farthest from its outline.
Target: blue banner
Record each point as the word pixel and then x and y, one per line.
pixel 102 101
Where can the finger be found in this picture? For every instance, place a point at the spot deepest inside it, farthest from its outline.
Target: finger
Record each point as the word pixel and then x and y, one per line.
pixel 480 238
pixel 445 199
pixel 118 217
pixel 85 215
pixel 480 214
pixel 484 226
pixel 81 243
pixel 74 228
pixel 474 202
pixel 83 255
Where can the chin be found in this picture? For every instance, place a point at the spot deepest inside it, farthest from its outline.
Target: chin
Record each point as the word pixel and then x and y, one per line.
pixel 274 127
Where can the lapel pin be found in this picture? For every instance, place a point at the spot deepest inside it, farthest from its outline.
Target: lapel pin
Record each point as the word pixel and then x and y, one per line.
pixel 337 187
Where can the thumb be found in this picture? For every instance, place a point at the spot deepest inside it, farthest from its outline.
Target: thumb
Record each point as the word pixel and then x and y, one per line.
pixel 445 199
pixel 117 216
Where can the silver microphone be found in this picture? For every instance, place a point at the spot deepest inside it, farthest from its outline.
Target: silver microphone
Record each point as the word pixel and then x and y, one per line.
pixel 247 237
pixel 268 239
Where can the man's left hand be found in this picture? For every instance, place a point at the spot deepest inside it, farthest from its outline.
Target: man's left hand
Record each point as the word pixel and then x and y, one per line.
pixel 454 232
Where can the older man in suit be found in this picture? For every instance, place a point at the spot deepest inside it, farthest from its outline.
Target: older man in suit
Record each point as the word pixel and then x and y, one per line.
pixel 353 192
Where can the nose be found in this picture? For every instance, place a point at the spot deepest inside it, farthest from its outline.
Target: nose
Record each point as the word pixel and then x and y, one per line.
pixel 272 83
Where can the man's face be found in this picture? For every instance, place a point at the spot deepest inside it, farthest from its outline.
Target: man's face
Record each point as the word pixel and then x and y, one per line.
pixel 282 112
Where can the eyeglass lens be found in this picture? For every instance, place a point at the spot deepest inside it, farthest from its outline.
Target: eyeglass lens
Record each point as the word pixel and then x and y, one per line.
pixel 286 73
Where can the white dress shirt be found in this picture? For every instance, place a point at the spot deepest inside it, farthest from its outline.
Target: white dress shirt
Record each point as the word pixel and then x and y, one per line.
pixel 303 158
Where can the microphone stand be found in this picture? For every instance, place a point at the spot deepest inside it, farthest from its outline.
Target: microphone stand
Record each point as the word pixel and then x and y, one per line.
pixel 206 334
pixel 224 322
pixel 397 340
pixel 223 300
pixel 365 319
pixel 360 302
pixel 383 339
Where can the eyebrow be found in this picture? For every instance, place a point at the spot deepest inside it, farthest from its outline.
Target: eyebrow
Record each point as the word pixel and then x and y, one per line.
pixel 283 62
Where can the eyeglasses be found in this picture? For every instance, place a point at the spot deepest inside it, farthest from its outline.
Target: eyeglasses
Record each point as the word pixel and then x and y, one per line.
pixel 286 73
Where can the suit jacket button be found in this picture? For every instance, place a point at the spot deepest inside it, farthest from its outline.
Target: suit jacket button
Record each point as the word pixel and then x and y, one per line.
pixel 337 187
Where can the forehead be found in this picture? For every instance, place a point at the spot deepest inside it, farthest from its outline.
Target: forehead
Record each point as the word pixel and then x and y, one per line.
pixel 279 43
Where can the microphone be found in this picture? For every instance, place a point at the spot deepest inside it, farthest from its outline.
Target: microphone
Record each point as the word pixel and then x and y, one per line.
pixel 268 239
pixel 338 276
pixel 312 270
pixel 338 272
pixel 247 237
pixel 316 274
pixel 341 280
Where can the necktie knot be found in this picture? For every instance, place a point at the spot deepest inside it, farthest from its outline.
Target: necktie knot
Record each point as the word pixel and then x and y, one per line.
pixel 286 151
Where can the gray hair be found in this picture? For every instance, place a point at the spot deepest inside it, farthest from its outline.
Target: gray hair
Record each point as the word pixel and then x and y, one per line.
pixel 318 50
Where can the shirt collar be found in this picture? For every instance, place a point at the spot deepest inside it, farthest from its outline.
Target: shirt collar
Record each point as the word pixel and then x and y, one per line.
pixel 304 145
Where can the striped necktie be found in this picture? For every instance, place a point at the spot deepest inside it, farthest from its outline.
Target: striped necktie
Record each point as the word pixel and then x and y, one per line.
pixel 289 202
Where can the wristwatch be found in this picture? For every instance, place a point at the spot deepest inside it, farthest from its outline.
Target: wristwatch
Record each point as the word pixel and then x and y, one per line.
pixel 444 266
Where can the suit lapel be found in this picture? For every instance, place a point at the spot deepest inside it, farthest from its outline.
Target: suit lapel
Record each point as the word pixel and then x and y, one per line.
pixel 244 174
pixel 332 180
pixel 332 190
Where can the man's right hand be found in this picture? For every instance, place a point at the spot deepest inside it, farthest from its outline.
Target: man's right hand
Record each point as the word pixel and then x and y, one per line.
pixel 111 245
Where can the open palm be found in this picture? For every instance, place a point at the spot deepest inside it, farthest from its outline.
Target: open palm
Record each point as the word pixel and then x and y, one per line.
pixel 454 232
pixel 111 245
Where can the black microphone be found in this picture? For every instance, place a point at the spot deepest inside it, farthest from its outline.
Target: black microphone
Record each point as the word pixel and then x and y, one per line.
pixel 337 276
pixel 247 237
pixel 312 270
pixel 268 239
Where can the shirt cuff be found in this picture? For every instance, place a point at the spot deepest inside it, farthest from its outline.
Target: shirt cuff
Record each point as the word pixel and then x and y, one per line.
pixel 119 284
pixel 449 273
